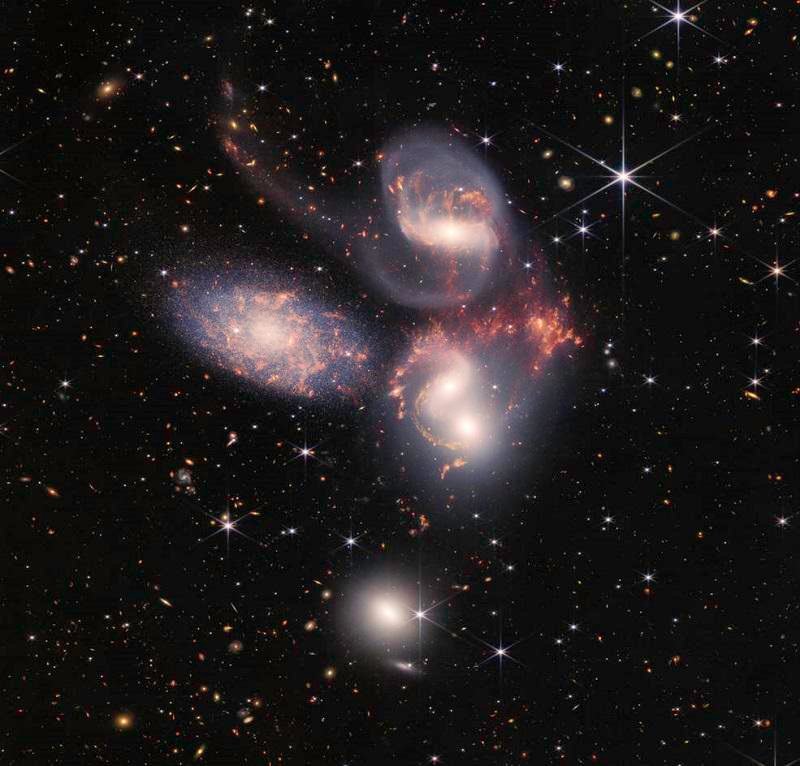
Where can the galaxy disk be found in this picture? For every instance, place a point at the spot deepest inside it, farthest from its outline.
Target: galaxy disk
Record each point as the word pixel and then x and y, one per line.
pixel 272 336
pixel 444 212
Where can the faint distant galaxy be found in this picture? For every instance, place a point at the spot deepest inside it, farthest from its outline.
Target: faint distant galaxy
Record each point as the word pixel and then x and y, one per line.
pixel 470 370
pixel 271 334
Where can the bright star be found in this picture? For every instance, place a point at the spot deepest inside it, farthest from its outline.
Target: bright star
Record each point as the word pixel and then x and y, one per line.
pixel 226 525
pixel 623 176
pixel 679 17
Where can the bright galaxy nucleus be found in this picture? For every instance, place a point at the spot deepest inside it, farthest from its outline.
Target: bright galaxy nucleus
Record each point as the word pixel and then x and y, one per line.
pixel 465 376
pixel 272 336
pixel 453 404
pixel 446 208
pixel 383 615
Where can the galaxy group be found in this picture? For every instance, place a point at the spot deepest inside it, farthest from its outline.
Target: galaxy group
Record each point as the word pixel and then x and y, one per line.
pixel 400 384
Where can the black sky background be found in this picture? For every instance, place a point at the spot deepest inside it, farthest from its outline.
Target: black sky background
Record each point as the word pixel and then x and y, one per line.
pixel 694 473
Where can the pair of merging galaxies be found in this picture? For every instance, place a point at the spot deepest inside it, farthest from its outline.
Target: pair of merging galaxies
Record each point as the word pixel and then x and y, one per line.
pixel 439 245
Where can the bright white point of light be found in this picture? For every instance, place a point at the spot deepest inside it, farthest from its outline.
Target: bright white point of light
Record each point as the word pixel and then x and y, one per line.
pixel 556 239
pixel 649 577
pixel 558 67
pixel 583 229
pixel 756 341
pixel 227 526
pixel 714 232
pixel 782 521
pixel 573 627
pixel 500 652
pixel 776 271
pixel 494 541
pixel 65 383
pixel 755 382
pixel 350 542
pixel 675 118
pixel 486 140
pixel 608 519
pixel 262 88
pixel 305 452
pixel 678 15
pixel 649 379
pixel 623 176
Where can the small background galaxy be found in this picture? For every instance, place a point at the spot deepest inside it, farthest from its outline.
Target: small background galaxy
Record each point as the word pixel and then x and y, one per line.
pixel 411 384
